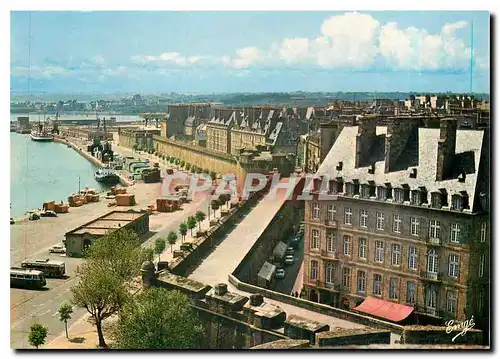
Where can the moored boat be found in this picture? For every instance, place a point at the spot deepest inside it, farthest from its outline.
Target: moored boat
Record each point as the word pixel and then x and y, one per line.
pixel 107 175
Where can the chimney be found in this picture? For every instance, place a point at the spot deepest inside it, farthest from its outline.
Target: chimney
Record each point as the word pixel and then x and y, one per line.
pixel 446 147
pixel 328 135
pixel 399 132
pixel 220 289
pixel 367 132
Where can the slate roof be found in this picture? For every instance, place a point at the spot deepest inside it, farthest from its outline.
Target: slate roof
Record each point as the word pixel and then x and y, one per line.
pixel 468 149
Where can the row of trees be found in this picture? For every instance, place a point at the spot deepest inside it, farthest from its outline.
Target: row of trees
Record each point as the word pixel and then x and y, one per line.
pixel 155 319
pixel 187 166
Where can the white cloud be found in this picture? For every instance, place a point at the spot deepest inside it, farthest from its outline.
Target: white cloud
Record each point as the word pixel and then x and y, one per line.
pixel 39 72
pixel 244 57
pixel 416 49
pixel 293 50
pixel 166 58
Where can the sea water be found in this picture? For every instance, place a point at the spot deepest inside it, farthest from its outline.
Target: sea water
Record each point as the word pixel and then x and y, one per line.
pixel 45 171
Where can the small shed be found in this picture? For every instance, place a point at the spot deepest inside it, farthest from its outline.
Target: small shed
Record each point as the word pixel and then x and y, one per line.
pixel 265 275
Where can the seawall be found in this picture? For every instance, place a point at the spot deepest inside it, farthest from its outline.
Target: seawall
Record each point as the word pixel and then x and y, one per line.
pixel 123 180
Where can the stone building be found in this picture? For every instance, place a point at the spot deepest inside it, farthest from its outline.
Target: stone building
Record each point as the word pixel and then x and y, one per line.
pixel 218 132
pixel 82 237
pixel 404 217
pixel 143 139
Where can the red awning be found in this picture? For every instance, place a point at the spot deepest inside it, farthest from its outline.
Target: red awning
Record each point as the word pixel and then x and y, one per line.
pixel 383 309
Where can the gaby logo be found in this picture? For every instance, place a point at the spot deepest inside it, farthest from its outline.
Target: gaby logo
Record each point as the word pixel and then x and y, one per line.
pixel 464 327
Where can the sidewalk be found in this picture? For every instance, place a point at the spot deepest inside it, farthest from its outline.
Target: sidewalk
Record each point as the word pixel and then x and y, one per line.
pixel 82 335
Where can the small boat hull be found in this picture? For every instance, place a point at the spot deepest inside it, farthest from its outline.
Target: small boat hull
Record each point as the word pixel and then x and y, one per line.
pixel 41 138
pixel 107 177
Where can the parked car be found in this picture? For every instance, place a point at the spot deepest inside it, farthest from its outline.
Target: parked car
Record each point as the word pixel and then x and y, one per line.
pixel 48 213
pixel 280 273
pixel 57 248
pixel 294 243
pixel 12 220
pixel 290 251
pixel 289 259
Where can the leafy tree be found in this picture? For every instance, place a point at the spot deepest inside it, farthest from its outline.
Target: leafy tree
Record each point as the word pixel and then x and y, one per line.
pixel 206 171
pixel 149 254
pixel 118 252
pixel 37 335
pixel 187 166
pixel 198 169
pixel 167 158
pixel 172 239
pixel 193 169
pixel 191 223
pixel 215 205
pixel 171 159
pixel 135 147
pixel 182 163
pixel 160 246
pixel 200 217
pixel 224 198
pixel 65 311
pixel 213 175
pixel 101 292
pixel 183 228
pixel 158 319
pixel 177 161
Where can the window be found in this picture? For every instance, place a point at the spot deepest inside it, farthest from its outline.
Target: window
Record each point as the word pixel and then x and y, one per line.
pixel 411 293
pixel 377 284
pixel 363 218
pixel 314 270
pixel 365 191
pixel 481 265
pixel 453 265
pixel 346 277
pixel 329 273
pixel 393 288
pixel 379 251
pixel 483 231
pixel 348 215
pixel 416 198
pixel 381 193
pixel 455 233
pixel 331 212
pixel 330 242
pixel 430 298
pixel 361 281
pixel 362 248
pixel 415 226
pixel 315 211
pixel 436 200
pixel 347 245
pixel 398 195
pixel 350 189
pixel 457 202
pixel 396 254
pixel 396 223
pixel 434 229
pixel 314 239
pixel 451 302
pixel 380 221
pixel 412 257
pixel 432 261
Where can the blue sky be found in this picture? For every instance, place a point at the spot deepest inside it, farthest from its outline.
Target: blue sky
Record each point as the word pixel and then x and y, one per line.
pixel 205 52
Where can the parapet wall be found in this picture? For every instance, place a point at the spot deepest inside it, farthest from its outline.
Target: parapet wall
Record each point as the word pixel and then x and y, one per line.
pixel 438 335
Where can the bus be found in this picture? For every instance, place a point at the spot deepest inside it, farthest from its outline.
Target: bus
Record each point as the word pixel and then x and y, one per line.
pixel 27 278
pixel 48 267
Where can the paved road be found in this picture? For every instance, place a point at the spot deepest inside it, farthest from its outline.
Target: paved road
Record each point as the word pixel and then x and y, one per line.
pixel 33 240
pixel 288 284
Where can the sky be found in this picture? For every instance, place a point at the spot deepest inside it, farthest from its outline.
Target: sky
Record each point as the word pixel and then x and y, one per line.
pixel 212 52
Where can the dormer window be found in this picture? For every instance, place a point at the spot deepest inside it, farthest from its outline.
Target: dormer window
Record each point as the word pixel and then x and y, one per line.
pixel 381 193
pixel 365 191
pixel 398 195
pixel 457 202
pixel 416 198
pixel 350 188
pixel 436 200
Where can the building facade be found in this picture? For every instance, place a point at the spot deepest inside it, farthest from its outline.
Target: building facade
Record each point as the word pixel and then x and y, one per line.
pixel 404 218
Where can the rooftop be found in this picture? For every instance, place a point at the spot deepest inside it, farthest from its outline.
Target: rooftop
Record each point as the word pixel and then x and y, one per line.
pixel 112 220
